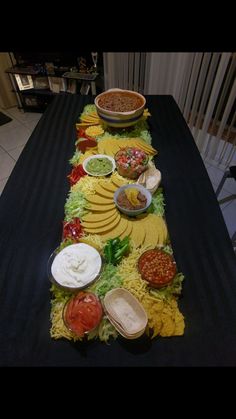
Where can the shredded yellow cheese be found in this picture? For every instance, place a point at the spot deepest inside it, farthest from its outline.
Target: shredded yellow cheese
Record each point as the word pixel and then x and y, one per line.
pixel 58 328
pixel 86 185
pixel 93 240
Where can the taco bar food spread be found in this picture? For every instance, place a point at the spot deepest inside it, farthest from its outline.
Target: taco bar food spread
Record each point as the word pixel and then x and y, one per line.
pixel 115 274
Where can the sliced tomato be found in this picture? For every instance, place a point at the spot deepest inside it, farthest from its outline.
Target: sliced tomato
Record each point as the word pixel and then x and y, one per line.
pixel 83 313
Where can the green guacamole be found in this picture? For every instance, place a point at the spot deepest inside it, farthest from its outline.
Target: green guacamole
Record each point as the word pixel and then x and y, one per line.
pixel 99 166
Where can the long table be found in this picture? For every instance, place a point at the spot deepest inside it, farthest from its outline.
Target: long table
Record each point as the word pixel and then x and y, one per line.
pixel 31 214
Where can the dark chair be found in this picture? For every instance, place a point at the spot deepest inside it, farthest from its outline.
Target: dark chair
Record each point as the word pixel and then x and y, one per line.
pixel 230 173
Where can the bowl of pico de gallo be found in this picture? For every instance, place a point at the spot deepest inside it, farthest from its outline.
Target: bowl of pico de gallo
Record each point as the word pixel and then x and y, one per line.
pixel 131 162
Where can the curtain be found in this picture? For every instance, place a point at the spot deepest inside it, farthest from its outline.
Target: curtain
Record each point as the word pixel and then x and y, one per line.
pixel 203 85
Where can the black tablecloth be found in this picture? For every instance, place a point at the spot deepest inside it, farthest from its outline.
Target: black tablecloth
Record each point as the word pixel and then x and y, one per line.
pixel 31 214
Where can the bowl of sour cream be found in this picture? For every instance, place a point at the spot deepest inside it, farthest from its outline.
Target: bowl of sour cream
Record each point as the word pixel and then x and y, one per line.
pixel 74 267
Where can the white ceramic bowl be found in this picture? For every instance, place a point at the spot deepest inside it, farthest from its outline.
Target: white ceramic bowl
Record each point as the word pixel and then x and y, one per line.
pixel 144 191
pixel 74 267
pixel 97 156
pixel 120 119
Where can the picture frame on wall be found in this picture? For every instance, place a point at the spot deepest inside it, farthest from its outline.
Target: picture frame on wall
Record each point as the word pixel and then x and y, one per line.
pixel 24 81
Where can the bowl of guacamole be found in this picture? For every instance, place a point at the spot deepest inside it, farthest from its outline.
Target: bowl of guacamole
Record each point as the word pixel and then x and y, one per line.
pixel 99 165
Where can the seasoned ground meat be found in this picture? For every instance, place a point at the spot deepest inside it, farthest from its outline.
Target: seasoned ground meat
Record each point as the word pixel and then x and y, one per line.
pixel 120 102
pixel 142 198
pixel 125 203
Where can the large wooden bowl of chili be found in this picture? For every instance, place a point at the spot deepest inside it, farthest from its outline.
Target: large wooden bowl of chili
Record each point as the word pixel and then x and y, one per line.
pixel 157 267
pixel 120 108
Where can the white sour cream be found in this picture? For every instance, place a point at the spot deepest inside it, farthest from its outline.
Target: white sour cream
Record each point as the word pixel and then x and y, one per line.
pixel 76 266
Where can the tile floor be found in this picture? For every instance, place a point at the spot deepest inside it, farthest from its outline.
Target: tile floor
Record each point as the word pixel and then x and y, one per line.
pixel 13 137
pixel 15 134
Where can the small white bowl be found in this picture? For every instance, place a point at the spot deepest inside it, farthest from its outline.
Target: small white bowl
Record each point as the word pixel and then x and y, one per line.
pixel 67 264
pixel 144 191
pixel 97 156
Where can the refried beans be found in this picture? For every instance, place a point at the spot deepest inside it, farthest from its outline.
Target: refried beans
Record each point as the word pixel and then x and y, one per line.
pixel 120 102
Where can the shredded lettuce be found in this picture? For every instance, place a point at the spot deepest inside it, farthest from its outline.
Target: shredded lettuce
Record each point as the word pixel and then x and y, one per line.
pixel 74 206
pixel 171 290
pixel 89 108
pixel 59 295
pixel 168 249
pixel 139 130
pixel 108 280
pixel 106 330
pixel 158 204
pixel 75 158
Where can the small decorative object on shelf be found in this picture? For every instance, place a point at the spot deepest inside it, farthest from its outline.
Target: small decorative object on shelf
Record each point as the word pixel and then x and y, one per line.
pixel 95 59
pixel 49 68
pixel 24 81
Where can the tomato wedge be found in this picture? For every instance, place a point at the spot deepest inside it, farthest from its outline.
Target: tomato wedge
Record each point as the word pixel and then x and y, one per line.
pixel 82 313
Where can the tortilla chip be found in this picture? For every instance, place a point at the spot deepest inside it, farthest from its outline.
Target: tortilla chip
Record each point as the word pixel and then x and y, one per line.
pixel 118 183
pixel 94 218
pixel 99 200
pixel 103 192
pixel 117 231
pixel 108 186
pixel 151 238
pixel 138 232
pixel 127 231
pixel 100 208
pixel 101 223
pixel 168 325
pixel 159 226
pixel 105 228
